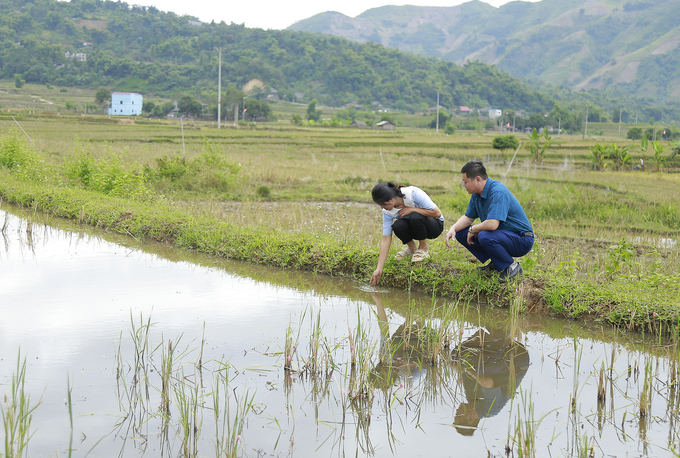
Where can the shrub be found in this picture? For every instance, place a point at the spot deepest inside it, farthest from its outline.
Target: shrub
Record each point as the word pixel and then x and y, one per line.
pixel 18 158
pixel 634 133
pixel 107 176
pixel 263 191
pixel 450 129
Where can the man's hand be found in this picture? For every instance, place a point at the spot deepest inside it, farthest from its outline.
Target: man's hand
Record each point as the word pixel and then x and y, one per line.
pixel 450 235
pixel 470 236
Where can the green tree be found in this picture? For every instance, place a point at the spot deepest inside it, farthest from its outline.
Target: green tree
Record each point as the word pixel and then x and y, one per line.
pixel 148 107
pixel 443 119
pixel 503 142
pixel 188 104
pixel 19 81
pixel 231 98
pixel 312 113
pixel 102 96
pixel 296 119
pixel 258 110
pixel 649 133
pixel 634 133
pixel 450 129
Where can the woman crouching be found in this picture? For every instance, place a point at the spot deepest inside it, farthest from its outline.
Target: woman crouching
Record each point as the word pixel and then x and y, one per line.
pixel 409 213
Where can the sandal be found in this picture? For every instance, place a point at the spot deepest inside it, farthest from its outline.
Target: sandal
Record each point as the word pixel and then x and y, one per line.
pixel 405 253
pixel 419 255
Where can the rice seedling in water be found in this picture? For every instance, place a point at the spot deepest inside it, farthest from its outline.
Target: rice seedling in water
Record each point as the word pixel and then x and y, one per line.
pixel 229 420
pixel 17 414
pixel 69 403
pixel 188 400
pixel 524 437
pixel 319 360
pixel 645 401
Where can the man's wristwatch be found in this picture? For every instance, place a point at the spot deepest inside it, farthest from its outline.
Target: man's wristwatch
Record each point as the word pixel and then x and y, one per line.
pixel 471 231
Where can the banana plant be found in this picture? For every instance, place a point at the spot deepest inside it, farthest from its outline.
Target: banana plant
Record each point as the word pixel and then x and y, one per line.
pixel 598 155
pixel 619 155
pixel 540 143
pixel 659 159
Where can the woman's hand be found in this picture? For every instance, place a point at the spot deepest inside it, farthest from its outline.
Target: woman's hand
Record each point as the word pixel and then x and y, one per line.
pixel 375 278
pixel 406 211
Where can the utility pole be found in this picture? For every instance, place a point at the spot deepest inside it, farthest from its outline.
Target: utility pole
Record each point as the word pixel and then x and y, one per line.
pixel 620 110
pixel 559 126
pixel 437 111
pixel 585 125
pixel 219 88
pixel 244 109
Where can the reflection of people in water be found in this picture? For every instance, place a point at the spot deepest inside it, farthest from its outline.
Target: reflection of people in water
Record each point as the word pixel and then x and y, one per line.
pixel 399 353
pixel 491 365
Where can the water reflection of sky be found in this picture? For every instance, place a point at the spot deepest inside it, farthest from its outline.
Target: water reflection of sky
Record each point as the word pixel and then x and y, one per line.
pixel 67 299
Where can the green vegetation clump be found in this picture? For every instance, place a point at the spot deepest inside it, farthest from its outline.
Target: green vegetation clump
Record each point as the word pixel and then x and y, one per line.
pixel 209 171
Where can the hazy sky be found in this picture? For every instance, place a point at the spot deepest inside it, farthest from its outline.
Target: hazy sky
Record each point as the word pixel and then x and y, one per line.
pixel 278 14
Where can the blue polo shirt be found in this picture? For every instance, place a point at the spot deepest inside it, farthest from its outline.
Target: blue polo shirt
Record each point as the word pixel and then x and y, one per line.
pixel 497 202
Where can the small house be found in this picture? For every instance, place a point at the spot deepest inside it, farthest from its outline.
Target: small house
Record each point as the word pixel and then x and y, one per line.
pixel 495 113
pixel 464 110
pixel 386 125
pixel 359 124
pixel 126 104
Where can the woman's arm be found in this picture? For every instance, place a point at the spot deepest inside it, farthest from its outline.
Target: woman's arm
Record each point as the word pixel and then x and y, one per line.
pixel 435 213
pixel 385 244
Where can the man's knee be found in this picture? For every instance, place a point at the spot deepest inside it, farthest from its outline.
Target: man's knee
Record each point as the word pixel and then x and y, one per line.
pixel 487 238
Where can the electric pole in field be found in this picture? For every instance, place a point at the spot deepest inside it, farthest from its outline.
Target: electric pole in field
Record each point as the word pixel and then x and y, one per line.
pixel 219 88
pixel 585 125
pixel 620 110
pixel 437 111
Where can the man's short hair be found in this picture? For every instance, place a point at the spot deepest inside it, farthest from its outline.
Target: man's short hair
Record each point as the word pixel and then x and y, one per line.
pixel 474 169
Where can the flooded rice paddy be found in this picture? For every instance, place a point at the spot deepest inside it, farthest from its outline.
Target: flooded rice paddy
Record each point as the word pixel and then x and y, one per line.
pixel 135 349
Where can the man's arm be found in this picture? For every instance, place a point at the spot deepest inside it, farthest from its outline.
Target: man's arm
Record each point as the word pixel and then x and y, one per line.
pixel 488 225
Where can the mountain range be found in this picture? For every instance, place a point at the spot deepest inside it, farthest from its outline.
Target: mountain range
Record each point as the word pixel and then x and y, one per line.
pixel 630 45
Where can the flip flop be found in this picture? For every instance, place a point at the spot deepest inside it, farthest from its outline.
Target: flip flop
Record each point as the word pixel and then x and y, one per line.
pixel 405 253
pixel 419 255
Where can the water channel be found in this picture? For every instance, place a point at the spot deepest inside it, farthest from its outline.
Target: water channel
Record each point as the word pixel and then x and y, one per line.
pixel 165 352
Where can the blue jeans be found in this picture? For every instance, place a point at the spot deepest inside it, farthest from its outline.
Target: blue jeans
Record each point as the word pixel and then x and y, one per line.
pixel 500 246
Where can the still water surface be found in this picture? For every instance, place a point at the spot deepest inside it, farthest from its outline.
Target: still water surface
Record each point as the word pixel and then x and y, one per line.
pixel 77 305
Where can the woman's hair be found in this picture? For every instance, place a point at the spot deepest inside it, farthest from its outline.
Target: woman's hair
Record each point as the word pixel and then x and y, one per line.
pixel 384 192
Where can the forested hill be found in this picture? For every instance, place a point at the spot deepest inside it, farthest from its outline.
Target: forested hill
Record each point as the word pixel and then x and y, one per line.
pixel 630 45
pixel 133 48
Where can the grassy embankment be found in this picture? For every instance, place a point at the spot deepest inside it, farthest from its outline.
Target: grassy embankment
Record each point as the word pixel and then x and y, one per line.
pixel 300 199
